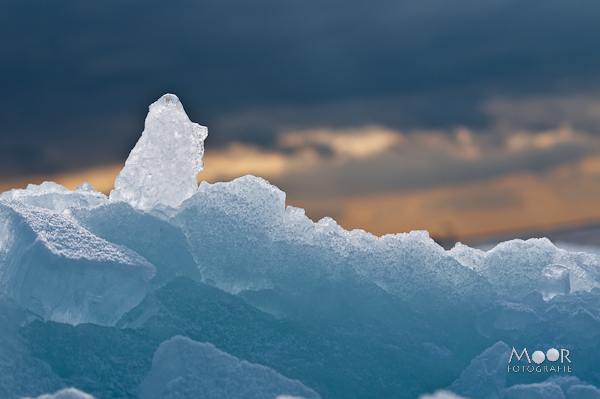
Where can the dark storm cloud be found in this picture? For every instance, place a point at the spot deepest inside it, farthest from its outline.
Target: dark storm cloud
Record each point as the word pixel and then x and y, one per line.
pixel 389 172
pixel 76 77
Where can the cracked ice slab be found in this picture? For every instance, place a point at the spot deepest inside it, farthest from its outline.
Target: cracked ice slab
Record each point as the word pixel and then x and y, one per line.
pixel 62 272
pixel 182 368
pixel 163 166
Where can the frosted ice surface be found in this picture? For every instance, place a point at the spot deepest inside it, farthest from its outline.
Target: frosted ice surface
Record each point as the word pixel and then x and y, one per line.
pixel 243 214
pixel 183 368
pixel 544 390
pixel 572 387
pixel 163 166
pixel 67 393
pixel 571 247
pixel 441 395
pixel 273 244
pixel 162 244
pixel 60 271
pixel 583 392
pixel 248 199
pixel 485 377
pixel 55 197
pixel 574 315
pixel 517 267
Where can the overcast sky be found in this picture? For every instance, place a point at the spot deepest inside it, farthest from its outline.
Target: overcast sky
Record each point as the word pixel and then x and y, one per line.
pixel 76 78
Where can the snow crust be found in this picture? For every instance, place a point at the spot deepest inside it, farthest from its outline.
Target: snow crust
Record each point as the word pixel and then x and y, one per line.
pixel 93 290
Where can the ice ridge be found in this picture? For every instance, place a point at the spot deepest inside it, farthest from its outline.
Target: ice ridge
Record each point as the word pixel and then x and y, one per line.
pixel 98 294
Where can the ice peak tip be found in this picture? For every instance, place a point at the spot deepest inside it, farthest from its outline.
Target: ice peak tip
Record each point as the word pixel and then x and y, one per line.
pixel 166 102
pixel 169 98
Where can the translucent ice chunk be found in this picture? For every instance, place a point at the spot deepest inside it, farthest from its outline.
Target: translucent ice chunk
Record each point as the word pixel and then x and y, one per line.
pixel 163 166
pixel 61 272
pixel 486 375
pixel 544 390
pixel 279 247
pixel 275 246
pixel 55 197
pixel 555 280
pixel 517 267
pixel 240 214
pixel 161 243
pixel 506 316
pixel 183 368
pixel 442 395
pixel 67 393
pixel 247 199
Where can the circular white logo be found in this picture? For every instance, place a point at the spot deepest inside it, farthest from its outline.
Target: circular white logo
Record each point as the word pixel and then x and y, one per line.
pixel 538 357
pixel 552 355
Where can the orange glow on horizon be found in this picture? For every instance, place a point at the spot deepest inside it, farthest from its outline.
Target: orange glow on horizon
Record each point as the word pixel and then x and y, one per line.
pixel 566 194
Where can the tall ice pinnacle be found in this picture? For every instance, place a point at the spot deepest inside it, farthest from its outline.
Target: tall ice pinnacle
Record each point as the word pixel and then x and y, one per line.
pixel 163 166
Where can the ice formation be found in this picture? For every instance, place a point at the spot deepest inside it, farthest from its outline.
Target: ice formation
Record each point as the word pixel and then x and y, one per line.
pixel 55 197
pixel 60 271
pixel 163 166
pixel 441 395
pixel 67 393
pixel 263 302
pixel 184 368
